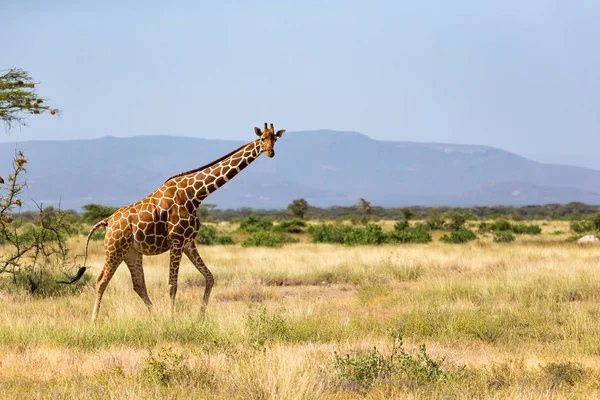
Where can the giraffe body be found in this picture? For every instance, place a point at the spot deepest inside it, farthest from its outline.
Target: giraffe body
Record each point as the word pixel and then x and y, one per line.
pixel 166 220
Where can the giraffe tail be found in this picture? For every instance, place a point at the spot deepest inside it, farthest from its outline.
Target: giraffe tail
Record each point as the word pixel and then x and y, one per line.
pixel 81 271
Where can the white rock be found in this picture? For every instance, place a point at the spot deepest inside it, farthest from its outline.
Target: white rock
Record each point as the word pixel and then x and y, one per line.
pixel 588 239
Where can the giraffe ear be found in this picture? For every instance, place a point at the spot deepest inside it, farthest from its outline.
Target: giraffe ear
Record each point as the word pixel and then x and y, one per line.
pixel 257 131
pixel 280 133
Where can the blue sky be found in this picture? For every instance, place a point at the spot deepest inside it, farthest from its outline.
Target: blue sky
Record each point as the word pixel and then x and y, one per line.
pixel 520 75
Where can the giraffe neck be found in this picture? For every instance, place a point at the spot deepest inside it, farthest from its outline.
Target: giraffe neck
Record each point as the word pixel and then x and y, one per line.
pixel 202 182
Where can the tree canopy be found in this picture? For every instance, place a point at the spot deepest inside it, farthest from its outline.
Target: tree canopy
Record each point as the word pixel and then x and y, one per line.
pixel 18 98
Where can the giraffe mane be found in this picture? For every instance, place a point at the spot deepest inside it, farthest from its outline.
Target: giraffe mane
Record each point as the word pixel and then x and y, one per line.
pixel 210 163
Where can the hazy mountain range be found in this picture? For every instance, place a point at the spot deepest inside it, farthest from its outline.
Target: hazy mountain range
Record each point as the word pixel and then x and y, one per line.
pixel 325 167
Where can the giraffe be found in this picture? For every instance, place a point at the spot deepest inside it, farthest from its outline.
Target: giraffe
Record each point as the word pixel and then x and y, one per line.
pixel 167 220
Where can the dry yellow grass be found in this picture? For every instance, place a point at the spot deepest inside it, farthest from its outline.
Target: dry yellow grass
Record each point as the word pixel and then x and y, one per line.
pixel 513 320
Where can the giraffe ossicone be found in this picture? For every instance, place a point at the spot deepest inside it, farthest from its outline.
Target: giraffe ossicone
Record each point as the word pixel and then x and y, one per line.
pixel 166 220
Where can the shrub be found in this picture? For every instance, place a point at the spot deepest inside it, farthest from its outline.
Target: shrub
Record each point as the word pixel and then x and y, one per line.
pixel 264 327
pixel 224 240
pixel 207 235
pixel 400 365
pixel 293 226
pixel 370 234
pixel 98 235
pixel 166 368
pixel 252 224
pixel 416 234
pixel 327 233
pixel 504 237
pixel 581 226
pixel 268 239
pixel 595 221
pixel 462 235
pixel 523 229
pixel 362 370
pixel 401 225
pixel 517 217
pixel 96 212
pixel 503 225
pixel 434 221
pixel 457 220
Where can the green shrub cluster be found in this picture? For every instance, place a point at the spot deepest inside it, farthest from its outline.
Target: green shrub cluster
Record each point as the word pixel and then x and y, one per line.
pixel 295 225
pixel 463 235
pixel 403 233
pixel 502 225
pixel 401 366
pixel 268 239
pixel 368 235
pixel 504 237
pixel 582 226
pixel 253 223
pixel 207 235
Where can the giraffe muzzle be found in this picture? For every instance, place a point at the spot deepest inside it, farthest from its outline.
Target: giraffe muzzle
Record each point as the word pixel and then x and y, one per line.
pixel 270 153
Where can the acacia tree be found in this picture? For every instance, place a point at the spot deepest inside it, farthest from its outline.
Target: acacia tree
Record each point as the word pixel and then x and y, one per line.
pixel 29 248
pixel 298 208
pixel 365 205
pixel 18 98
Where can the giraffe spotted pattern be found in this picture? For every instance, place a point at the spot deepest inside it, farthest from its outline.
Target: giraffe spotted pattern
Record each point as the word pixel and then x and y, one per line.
pixel 166 220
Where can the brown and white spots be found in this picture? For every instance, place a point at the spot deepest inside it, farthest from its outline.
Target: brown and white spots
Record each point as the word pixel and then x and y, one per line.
pixel 167 220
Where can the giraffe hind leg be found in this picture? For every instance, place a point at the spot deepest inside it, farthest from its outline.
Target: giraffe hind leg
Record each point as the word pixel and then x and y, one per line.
pixel 133 260
pixel 110 267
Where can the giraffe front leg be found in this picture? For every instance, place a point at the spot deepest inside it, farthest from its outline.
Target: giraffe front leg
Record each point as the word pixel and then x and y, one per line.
pixel 191 252
pixel 174 261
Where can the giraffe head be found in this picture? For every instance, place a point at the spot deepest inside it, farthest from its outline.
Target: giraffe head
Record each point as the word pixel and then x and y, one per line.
pixel 268 137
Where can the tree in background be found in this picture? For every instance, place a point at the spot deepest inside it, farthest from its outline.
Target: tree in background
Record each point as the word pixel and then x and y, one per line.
pixel 96 212
pixel 35 250
pixel 18 98
pixel 408 213
pixel 204 210
pixel 365 205
pixel 298 208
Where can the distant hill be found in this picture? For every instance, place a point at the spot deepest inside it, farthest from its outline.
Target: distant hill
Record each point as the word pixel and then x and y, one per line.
pixel 325 167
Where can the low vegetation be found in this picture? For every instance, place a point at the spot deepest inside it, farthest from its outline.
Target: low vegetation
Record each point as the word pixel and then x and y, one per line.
pixel 318 320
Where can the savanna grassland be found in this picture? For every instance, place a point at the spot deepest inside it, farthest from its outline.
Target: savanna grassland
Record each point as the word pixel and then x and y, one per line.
pixel 306 321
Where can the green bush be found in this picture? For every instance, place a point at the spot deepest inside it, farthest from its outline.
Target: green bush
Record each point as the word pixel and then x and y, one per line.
pixel 224 240
pixel 503 225
pixel 96 212
pixel 416 234
pixel 370 234
pixel 166 368
pixel 457 219
pixel 327 233
pixel 268 239
pixel 293 226
pixel 264 327
pixel 582 226
pixel 207 235
pixel 401 366
pixel 402 225
pixel 504 237
pixel 98 235
pixel 254 224
pixel 523 229
pixel 462 235
pixel 362 370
